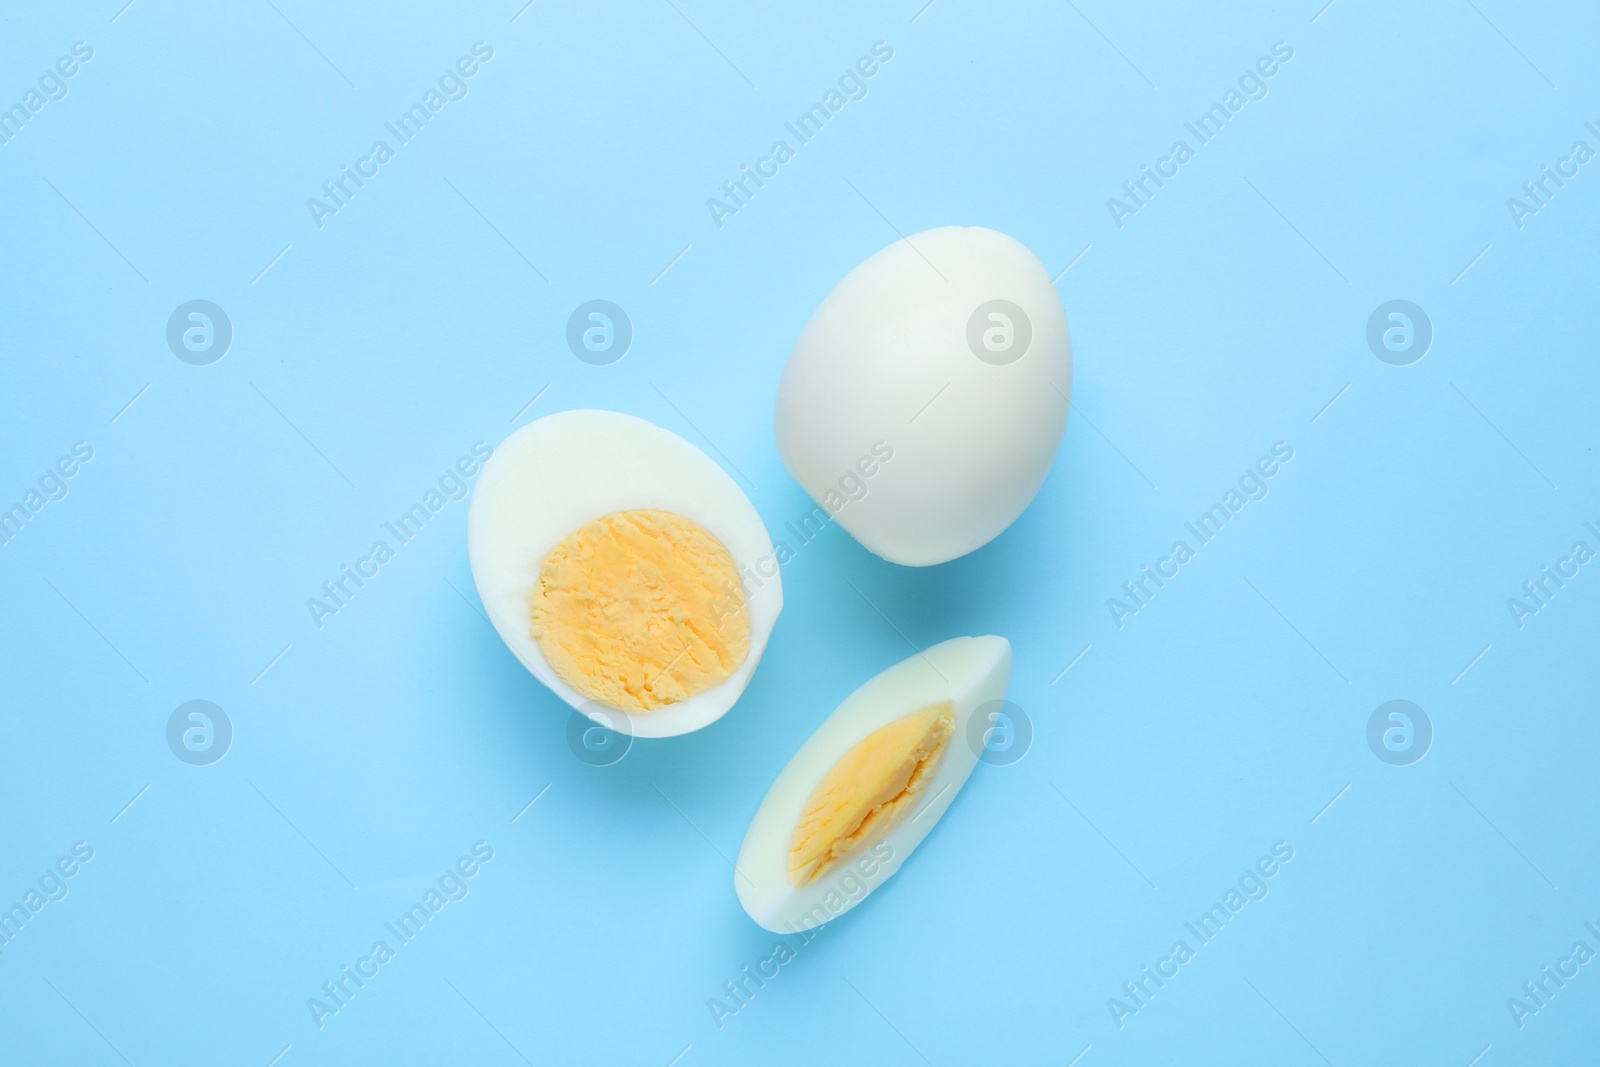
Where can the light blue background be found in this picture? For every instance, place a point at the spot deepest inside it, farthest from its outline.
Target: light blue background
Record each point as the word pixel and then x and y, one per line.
pixel 1224 717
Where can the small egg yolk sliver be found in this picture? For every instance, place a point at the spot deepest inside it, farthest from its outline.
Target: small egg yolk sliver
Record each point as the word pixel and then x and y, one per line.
pixel 641 609
pixel 869 791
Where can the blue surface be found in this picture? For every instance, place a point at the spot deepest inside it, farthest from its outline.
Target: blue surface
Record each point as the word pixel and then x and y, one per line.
pixel 1230 713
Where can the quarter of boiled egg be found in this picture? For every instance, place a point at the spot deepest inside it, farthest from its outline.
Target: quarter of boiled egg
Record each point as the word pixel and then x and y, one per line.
pixel 948 352
pixel 617 561
pixel 868 786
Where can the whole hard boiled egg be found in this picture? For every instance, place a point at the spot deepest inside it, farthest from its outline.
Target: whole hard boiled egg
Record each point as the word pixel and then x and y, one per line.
pixel 869 784
pixel 617 561
pixel 948 352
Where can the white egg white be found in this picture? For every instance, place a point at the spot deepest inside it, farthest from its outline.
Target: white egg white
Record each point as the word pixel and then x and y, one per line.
pixel 888 359
pixel 969 672
pixel 557 474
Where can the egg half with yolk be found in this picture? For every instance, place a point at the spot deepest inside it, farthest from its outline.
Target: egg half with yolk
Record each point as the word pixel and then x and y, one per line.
pixel 619 563
pixel 872 781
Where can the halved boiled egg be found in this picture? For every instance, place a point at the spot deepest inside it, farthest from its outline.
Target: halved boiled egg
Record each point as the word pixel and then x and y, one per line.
pixel 869 785
pixel 618 562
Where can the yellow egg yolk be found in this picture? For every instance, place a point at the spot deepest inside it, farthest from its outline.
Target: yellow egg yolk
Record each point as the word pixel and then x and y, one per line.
pixel 641 609
pixel 869 791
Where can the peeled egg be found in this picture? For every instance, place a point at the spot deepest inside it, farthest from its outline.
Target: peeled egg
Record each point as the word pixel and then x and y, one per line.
pixel 611 556
pixel 868 786
pixel 948 350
